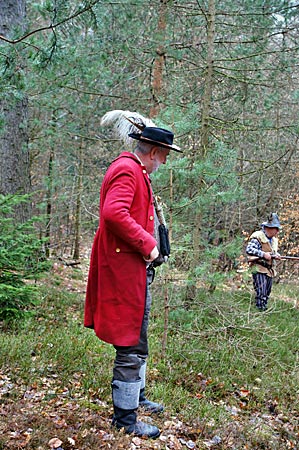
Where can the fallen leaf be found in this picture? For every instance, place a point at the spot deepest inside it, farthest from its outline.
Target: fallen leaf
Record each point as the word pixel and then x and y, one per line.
pixel 54 443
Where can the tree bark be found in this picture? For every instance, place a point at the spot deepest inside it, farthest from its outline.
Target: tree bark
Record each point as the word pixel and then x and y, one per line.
pixel 206 110
pixel 49 203
pixel 205 133
pixel 79 185
pixel 208 78
pixel 157 76
pixel 14 154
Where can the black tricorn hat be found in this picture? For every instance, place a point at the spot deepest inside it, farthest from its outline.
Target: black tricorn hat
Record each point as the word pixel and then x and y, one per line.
pixel 159 136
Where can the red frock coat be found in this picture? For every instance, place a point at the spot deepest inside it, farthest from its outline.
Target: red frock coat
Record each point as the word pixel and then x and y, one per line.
pixel 116 288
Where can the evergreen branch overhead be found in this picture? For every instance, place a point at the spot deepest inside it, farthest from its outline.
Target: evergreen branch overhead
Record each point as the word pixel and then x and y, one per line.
pixel 52 26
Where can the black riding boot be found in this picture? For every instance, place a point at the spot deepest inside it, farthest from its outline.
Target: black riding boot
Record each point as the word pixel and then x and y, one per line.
pixel 125 397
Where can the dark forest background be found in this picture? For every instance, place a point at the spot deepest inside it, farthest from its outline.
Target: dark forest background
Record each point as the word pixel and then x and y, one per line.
pixel 222 75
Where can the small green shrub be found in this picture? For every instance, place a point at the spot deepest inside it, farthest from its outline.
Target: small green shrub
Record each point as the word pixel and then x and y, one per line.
pixel 21 261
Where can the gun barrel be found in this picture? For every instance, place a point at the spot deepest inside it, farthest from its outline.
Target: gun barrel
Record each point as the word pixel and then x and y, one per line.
pixel 294 258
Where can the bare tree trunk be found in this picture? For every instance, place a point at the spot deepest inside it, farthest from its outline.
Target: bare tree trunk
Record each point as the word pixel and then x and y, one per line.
pixel 157 76
pixel 166 317
pixel 205 132
pixel 205 126
pixel 206 109
pixel 76 254
pixel 49 203
pixel 14 154
pixel 170 220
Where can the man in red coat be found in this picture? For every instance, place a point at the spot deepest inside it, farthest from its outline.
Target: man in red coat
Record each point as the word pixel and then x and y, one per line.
pixel 118 298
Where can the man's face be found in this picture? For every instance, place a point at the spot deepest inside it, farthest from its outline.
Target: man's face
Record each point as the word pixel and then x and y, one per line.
pixel 159 156
pixel 271 232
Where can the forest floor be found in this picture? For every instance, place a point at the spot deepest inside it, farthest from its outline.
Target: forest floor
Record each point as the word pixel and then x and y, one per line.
pixel 44 406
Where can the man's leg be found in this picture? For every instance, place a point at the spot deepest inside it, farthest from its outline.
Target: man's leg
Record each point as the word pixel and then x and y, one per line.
pixel 126 382
pixel 146 404
pixel 262 285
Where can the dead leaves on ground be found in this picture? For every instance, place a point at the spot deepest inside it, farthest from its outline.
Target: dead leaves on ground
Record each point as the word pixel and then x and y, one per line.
pixel 38 417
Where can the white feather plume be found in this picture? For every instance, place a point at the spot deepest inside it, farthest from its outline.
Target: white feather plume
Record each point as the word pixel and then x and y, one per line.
pixel 125 122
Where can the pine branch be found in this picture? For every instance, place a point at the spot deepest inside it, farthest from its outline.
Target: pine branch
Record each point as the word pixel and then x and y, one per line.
pixel 51 26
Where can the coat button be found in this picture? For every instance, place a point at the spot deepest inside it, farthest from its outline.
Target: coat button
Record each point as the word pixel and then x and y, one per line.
pixel 144 171
pixel 151 218
pixel 117 250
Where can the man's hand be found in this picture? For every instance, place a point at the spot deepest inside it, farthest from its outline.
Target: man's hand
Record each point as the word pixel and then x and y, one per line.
pixel 267 256
pixel 152 256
